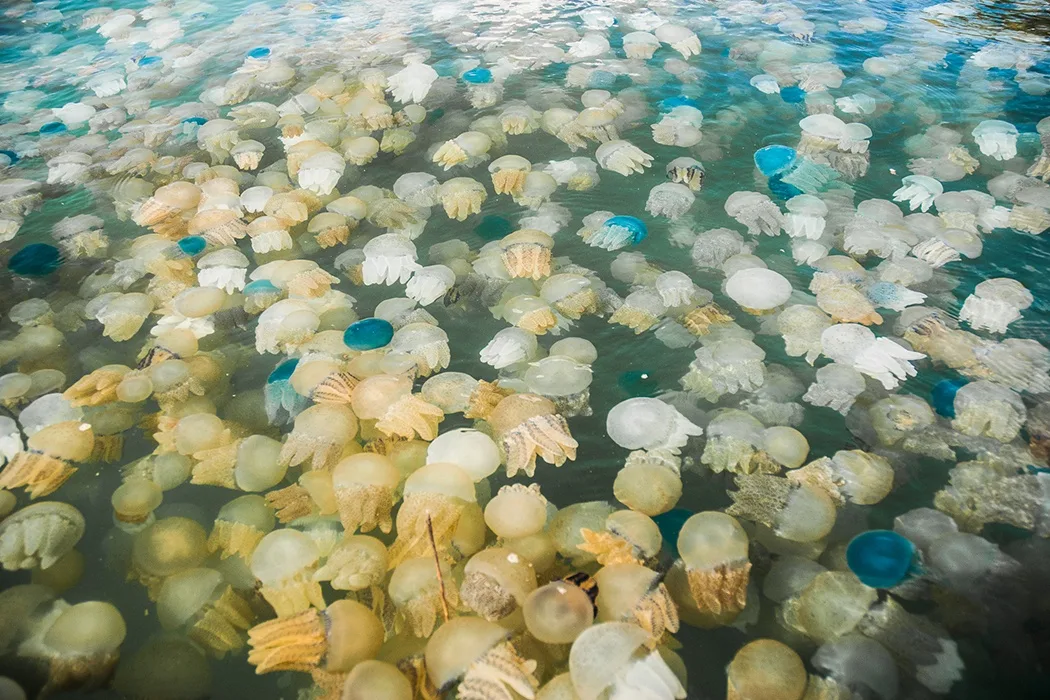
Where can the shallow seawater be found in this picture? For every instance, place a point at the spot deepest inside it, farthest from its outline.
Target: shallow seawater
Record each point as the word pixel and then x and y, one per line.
pixel 921 78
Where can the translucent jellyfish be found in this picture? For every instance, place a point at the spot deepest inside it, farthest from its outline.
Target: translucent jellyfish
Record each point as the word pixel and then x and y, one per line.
pixel 527 253
pixel 397 411
pixel 389 259
pixel 364 487
pixel 669 199
pixel 758 290
pixel 734 442
pixel 852 476
pixel 766 83
pixel 202 604
pixel 649 424
pixel 80 644
pixel 48 458
pixel 508 347
pixel 461 197
pixel 640 311
pixel 469 148
pixel 796 512
pixel 331 640
pixel 418 596
pixel 679 127
pixel 435 497
pixel 475 652
pixel 424 345
pixel 679 38
pixel 676 289
pixel 134 502
pixel 622 157
pixel 166 666
pixel 687 171
pixel 837 387
pixel 39 535
pixel 640 45
pixel 516 511
pixel 995 304
pixel 713 247
pixel 801 326
pixel 858 664
pixel 1041 167
pixel 714 548
pixel 756 211
pixel 612 659
pixel 991 410
pixel 528 426
pixel 519 118
pixel 533 314
pixel 577 174
pixel 240 525
pixel 319 435
pixel 496 582
pixel 855 346
pixel 471 450
pixel 996 138
pixel 223 269
pixel 616 232
pixel 805 217
pixel 376 679
pixel 725 367
pixel 919 191
pixel 166 547
pixel 766 668
pixel 572 295
pixel 411 83
pixel 284 562
pixel 558 612
pixel 508 174
pixel 247 154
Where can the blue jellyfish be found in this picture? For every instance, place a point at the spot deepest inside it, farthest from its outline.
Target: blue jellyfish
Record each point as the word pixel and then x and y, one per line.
pixel 281 401
pixel 943 395
pixel 261 287
pixel 666 105
pixel 792 94
pixel 638 382
pixel 782 189
pixel 477 76
pixel 881 558
pixel 192 245
pixel 259 53
pixel 368 334
pixel 774 160
pixel 199 121
pixel 11 156
pixel 791 174
pixel 619 231
pixel 51 128
pixel 670 524
pixel 493 228
pixel 35 260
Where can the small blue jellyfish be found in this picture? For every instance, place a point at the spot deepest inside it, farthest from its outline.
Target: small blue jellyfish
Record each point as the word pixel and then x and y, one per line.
pixel 282 402
pixel 670 524
pixel 493 228
pixel 50 128
pixel 35 260
pixel 881 558
pixel 259 53
pixel 638 383
pixel 478 76
pixel 11 156
pixel 670 103
pixel 792 94
pixel 192 245
pixel 261 287
pixel 782 189
pixel 368 334
pixel 619 231
pixel 943 396
pixel 775 160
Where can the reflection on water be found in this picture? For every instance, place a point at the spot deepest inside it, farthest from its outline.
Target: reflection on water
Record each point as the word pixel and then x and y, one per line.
pixel 197 200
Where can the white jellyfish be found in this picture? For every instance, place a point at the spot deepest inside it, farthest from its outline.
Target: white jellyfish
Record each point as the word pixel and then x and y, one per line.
pixel 856 346
pixel 805 217
pixel 680 38
pixel 679 127
pixel 766 83
pixel 622 157
pixel 995 304
pixel 508 347
pixel 428 284
pixel 412 83
pixel 996 138
pixel 649 424
pixel 837 387
pixel 389 259
pixel 756 211
pixel 919 191
pixel 670 199
pixel 758 290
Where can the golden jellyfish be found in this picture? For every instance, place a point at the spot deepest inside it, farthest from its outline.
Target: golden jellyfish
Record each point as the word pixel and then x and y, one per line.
pixel 766 669
pixel 476 653
pixel 47 461
pixel 527 253
pixel 165 548
pixel 240 525
pixel 357 563
pixel 365 487
pixel 320 434
pixel 496 582
pixel 419 597
pixel 435 497
pixel 398 412
pixel 134 502
pixel 634 593
pixel 81 645
pixel 517 510
pixel 558 612
pixel 201 604
pixel 284 561
pixel 714 548
pixel 529 426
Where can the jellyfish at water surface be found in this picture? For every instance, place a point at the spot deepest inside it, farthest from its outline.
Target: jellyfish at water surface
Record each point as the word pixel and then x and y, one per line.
pixel 35 260
pixel 368 334
pixel 881 558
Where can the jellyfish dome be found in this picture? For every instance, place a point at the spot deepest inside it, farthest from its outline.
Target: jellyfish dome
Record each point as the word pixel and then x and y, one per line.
pixel 775 160
pixel 35 260
pixel 647 424
pixel 368 334
pixel 880 558
pixel 759 290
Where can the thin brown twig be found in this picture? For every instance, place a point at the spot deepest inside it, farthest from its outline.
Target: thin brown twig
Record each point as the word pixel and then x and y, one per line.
pixel 437 566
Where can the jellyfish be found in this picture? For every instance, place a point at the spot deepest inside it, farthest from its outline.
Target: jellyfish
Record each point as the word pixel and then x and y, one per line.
pixel 616 232
pixel 852 476
pixel 166 547
pixel 357 563
pixel 577 174
pixel 496 582
pixel 319 435
pixel 516 511
pixel 613 659
pixel 48 458
pixel 837 387
pixel 766 668
pixel 859 664
pixel 223 269
pixel 419 596
pixel 679 127
pixel 364 489
pixel 991 410
pixel 756 211
pixel 558 612
pixel 389 259
pixel 461 197
pixel 880 558
pixel 640 311
pixel 508 347
pixel 528 426
pixel 805 217
pixel 80 644
pixel 469 149
pixel 527 253
pixel 508 174
pixel 240 525
pixel 855 346
pixel 200 603
pixel 532 314
pixel 622 157
pixel 471 450
pixel 475 652
pixel 435 497
pixel 411 83
pixel 995 304
pixel 758 290
pixel 284 561
pixel 571 295
pixel 670 199
pixel 649 424
pixel 397 411
pixel 919 191
pixel 424 344
pixel 39 535
pixel 996 138
pixel 725 367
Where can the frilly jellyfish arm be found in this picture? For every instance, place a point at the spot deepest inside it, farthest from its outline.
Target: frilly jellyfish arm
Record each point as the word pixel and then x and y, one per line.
pixel 988 314
pixel 997 139
pixel 919 191
pixel 411 83
pixel 887 362
pixel 430 283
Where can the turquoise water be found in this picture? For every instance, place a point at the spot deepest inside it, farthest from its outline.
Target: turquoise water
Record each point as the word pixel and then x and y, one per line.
pixel 939 75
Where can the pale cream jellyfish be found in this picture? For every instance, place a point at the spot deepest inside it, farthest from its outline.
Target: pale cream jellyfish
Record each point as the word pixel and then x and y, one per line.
pixel 996 138
pixel 990 410
pixel 469 148
pixel 508 174
pixel 564 381
pixel 134 502
pixel 192 310
pixel 630 592
pixel 919 191
pixel 413 82
pixel 320 434
pixel 758 290
pixel 649 424
pixel 327 643
pixel 376 680
pixel 48 458
pixel 240 525
pixel 389 401
pixel 800 326
pixel 836 387
pixel 805 217
pixel 528 426
pixel 365 487
pixel 435 498
pixel 422 346
pixel 284 562
pixel 39 535
pixel 572 295
pixel 995 304
pixel 756 211
pixel 223 269
pixel 419 597
pixel 496 582
pixel 1041 167
pixel 622 157
pixel 476 653
pixel 640 45
pixel 165 548
pixel 794 511
pixel 714 548
pixel 766 669
pixel 679 38
pixel 855 346
pixel 852 476
pixel 649 482
pixel 250 464
pixel 202 605
pixel 357 563
pixel 532 314
pixel 640 311
pixel 472 450
pixel 80 644
pixel 726 364
pixel 516 511
pixel 612 659
pixel 558 612
pixel 461 197
pixel 527 254
pixel 670 199
pixel 679 127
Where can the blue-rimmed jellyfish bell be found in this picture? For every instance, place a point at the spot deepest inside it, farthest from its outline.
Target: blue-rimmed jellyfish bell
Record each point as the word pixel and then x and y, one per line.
pixel 279 395
pixel 477 76
pixel 619 231
pixel 35 259
pixel 8 158
pixel 52 128
pixel 775 160
pixel 368 334
pixel 880 558
pixel 192 245
pixel 943 396
pixel 259 53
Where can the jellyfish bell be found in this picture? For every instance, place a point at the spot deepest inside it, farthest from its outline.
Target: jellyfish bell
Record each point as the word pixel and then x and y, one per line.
pixel 759 290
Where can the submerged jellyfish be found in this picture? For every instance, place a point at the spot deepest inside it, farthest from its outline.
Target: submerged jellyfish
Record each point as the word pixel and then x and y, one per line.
pixel 880 558
pixel 613 659
pixel 669 199
pixel 768 669
pixel 995 304
pixel 919 191
pixel 996 138
pixel 35 260
pixel 856 346
pixel 758 290
pixel 617 232
pixel 756 211
pixel 622 157
pixel 649 424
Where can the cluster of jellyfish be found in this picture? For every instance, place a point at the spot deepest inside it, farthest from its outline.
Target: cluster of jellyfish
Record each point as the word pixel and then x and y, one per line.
pixel 226 376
